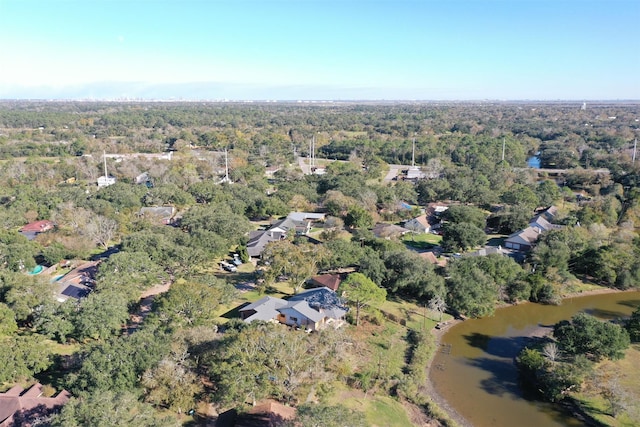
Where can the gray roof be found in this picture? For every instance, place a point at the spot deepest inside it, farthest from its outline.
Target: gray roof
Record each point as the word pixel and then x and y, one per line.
pixel 528 236
pixel 265 302
pixel 306 216
pixel 264 314
pixel 161 211
pixel 487 250
pixel 259 239
pixel 302 307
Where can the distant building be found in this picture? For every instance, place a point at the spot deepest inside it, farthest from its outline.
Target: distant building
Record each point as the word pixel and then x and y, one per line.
pixel 105 181
pixel 163 214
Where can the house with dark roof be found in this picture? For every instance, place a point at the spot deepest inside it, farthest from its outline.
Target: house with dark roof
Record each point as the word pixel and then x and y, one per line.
pixel 312 309
pixel 298 223
pixel 77 283
pixel 31 230
pixel 24 408
pixel 259 239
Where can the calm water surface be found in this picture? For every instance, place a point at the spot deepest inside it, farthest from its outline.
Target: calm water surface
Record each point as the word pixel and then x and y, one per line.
pixel 475 371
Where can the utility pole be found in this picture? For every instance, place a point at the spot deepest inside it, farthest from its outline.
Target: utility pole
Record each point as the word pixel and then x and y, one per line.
pixel 226 166
pixel 413 154
pixel 635 146
pixel 503 147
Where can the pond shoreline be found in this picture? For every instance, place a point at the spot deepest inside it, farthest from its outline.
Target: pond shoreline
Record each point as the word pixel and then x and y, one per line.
pixel 444 327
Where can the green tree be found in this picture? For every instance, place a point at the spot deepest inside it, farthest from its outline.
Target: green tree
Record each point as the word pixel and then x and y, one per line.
pixel 361 291
pixel 463 236
pixel 55 320
pixel 458 214
pixel 24 293
pixel 190 303
pixel 358 217
pixel 171 384
pixel 586 335
pixel 117 363
pixel 8 325
pixel 109 409
pixel 129 273
pixel 296 262
pixel 101 315
pixel 471 291
pixel 633 326
pixel 22 357
pixel 219 219
pixel 410 275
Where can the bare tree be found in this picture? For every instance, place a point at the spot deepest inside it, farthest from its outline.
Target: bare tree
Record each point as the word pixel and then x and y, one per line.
pixel 438 304
pixel 101 230
pixel 616 396
pixel 551 351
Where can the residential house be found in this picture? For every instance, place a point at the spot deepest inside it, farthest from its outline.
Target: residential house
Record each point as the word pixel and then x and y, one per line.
pixel 419 224
pixel 24 408
pixel 312 309
pixel 298 223
pixel 540 222
pixel 523 240
pixel 487 250
pixel 77 283
pixel 163 214
pixel 433 259
pixel 550 213
pixel 323 300
pixel 31 230
pixel 289 225
pixel 259 239
pixel 265 413
pixel 331 281
pixel 265 309
pixel 307 216
pixel 388 231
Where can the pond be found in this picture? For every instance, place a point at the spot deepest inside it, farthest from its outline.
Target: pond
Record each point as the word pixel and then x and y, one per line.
pixel 534 161
pixel 475 371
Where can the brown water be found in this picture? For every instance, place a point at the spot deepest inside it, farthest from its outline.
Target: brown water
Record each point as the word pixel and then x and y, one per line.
pixel 475 372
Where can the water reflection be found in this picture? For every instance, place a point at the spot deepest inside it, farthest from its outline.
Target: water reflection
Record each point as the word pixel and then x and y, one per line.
pixel 478 376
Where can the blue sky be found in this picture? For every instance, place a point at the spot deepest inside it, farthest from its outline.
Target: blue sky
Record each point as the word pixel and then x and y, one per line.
pixel 311 49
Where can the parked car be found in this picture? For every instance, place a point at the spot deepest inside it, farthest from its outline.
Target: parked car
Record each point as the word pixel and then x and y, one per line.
pixel 236 259
pixel 228 267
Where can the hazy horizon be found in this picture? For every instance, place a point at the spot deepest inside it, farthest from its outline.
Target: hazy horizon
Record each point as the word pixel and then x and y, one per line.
pixel 312 49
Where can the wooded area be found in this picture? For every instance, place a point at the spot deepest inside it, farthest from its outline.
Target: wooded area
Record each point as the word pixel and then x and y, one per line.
pixel 190 356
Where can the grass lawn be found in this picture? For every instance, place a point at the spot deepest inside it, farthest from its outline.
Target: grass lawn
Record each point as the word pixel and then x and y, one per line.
pixel 379 411
pixel 626 374
pixel 421 240
pixel 62 349
pixel 413 314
